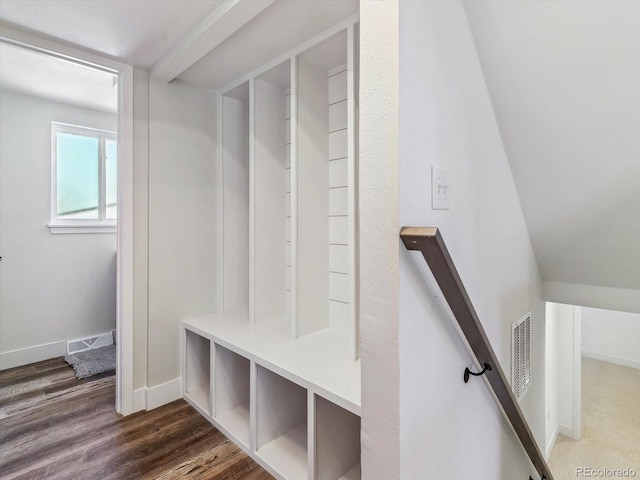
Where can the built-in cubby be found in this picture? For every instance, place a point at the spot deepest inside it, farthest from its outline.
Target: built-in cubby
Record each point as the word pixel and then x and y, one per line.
pixel 197 370
pixel 293 405
pixel 232 393
pixel 281 432
pixel 272 202
pixel 313 196
pixel 325 186
pixel 235 199
pixel 337 442
pixel 277 368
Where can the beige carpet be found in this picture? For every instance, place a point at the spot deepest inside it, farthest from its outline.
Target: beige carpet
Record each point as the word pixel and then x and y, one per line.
pixel 610 423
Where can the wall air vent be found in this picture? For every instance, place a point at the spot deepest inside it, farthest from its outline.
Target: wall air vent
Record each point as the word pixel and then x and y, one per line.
pixel 84 344
pixel 521 356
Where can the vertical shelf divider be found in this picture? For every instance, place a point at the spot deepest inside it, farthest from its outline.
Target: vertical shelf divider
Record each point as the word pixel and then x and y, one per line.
pixel 220 187
pixel 253 407
pixel 212 380
pixel 252 199
pixel 311 433
pixel 293 102
pixel 183 367
pixel 352 186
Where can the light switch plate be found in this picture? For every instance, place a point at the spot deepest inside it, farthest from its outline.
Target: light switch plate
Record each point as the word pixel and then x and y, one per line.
pixel 440 194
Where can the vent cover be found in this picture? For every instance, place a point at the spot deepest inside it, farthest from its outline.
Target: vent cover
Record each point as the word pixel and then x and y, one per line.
pixel 84 344
pixel 521 356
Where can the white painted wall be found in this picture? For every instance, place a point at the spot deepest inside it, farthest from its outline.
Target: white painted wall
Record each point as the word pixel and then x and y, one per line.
pixel 379 242
pixel 611 336
pixel 563 367
pixel 54 287
pixel 182 221
pixel 446 119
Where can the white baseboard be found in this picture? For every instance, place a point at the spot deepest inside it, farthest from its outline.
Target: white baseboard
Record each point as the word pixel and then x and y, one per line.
pixel 25 356
pixel 625 362
pixel 139 400
pixel 551 443
pixel 154 397
pixel 164 393
pixel 566 431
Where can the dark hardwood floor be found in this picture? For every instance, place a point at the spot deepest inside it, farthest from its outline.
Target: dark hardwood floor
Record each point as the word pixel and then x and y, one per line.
pixel 53 426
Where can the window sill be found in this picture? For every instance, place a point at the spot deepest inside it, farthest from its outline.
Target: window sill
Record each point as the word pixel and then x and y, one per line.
pixel 56 229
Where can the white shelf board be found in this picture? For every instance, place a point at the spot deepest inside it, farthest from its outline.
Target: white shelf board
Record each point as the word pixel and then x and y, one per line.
pixel 287 454
pixel 236 421
pixel 200 396
pixel 354 473
pixel 320 362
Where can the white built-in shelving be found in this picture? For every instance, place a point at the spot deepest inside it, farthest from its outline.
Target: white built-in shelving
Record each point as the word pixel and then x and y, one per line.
pixel 197 375
pixel 281 430
pixel 293 405
pixel 271 204
pixel 235 196
pixel 232 393
pixel 337 441
pixel 277 368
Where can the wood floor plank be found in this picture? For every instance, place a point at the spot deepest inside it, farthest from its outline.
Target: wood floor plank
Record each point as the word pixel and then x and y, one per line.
pixel 53 426
pixel 223 463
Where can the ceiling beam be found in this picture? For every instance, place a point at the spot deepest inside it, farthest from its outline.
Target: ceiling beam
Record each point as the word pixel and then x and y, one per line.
pixel 208 34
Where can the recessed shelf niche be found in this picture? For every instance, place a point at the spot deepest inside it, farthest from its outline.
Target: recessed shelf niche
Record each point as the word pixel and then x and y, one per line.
pixel 198 370
pixel 281 433
pixel 232 393
pixel 325 198
pixel 271 175
pixel 235 198
pixel 337 434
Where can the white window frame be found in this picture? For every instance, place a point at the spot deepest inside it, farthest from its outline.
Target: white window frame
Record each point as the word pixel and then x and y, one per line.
pixel 81 225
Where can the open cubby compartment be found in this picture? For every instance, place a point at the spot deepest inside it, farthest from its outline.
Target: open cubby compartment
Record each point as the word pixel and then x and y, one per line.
pixel 235 198
pixel 337 442
pixel 198 370
pixel 232 387
pixel 325 197
pixel 281 430
pixel 272 193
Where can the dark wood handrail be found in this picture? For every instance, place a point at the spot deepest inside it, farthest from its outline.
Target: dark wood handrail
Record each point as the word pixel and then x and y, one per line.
pixel 429 242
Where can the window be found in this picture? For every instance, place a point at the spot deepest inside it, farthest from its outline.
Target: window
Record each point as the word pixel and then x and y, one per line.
pixel 83 180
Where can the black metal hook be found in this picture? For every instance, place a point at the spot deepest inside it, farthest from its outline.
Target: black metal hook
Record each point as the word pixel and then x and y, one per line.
pixel 467 372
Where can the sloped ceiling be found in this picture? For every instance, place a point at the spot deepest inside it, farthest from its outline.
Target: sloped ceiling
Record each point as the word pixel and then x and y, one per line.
pixel 564 79
pixel 137 32
pixel 30 73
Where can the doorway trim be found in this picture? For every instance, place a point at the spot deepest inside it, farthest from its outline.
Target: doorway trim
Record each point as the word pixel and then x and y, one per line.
pixel 124 262
pixel 577 372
